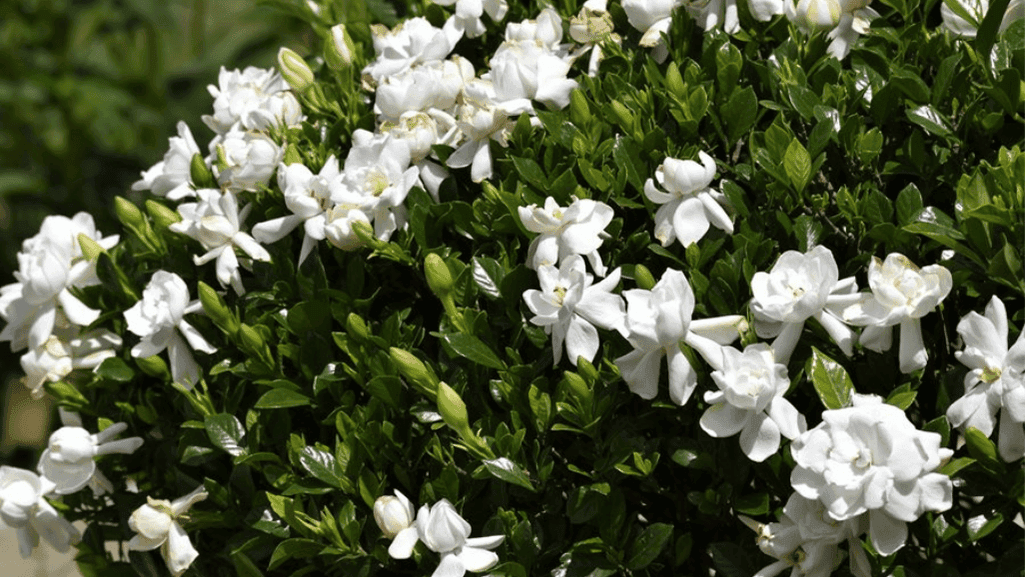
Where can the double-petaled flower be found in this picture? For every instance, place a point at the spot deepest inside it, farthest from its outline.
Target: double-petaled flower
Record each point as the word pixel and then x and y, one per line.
pixel 901 295
pixel 802 286
pixel 157 525
pixel 995 384
pixel 844 19
pixel 159 318
pixel 657 322
pixel 871 458
pixel 69 459
pixel 564 232
pixel 750 402
pixel 253 99
pixel 568 306
pixel 24 509
pixel 215 221
pixel 690 206
pixel 172 176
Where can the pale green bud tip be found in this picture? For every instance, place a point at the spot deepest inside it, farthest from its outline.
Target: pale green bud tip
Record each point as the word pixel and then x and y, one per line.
pixel 200 173
pixel 128 213
pixel 452 408
pixel 340 51
pixel 643 277
pixel 409 365
pixel 251 337
pixel 295 70
pixel 438 276
pixel 161 215
pixel 90 248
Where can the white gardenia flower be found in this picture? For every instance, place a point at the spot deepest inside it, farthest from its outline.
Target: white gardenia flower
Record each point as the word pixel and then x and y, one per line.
pixel 807 539
pixel 444 531
pixel 481 118
pixel 591 27
pixel 215 221
pixel 172 176
pixel 564 232
pixel 68 461
pixel 159 319
pixel 394 516
pixel 50 263
pixel 64 351
pixel 844 19
pixel 656 322
pixel 245 160
pixel 525 70
pixel 750 402
pixel 870 458
pixel 467 17
pixel 995 383
pixel 412 42
pixel 690 205
pixel 308 196
pixel 23 508
pixel 716 13
pixel 156 525
pixel 901 295
pixel 375 181
pixel 652 18
pixel 254 99
pixel 802 286
pixel 434 86
pixel 420 131
pixel 569 307
pixel 976 10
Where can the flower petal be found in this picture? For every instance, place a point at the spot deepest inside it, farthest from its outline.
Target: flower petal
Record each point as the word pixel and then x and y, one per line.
pixel 689 221
pixel 888 534
pixel 402 546
pixel 477 560
pixel 760 438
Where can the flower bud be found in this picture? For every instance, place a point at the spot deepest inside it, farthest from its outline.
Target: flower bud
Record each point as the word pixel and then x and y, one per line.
pixel 643 277
pixel 200 173
pixel 579 112
pixel 340 51
pixel 439 277
pixel 153 366
pixel 162 216
pixel 129 214
pixel 453 409
pixel 90 248
pixel 217 309
pixel 413 369
pixel 295 70
pixel 393 514
pixel 357 327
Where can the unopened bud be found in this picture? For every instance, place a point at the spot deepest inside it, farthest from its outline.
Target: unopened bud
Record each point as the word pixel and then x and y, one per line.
pixel 393 514
pixel 91 250
pixel 453 410
pixel 154 366
pixel 439 277
pixel 340 51
pixel 413 369
pixel 295 70
pixel 643 277
pixel 162 216
pixel 357 327
pixel 129 214
pixel 579 111
pixel 200 173
pixel 218 311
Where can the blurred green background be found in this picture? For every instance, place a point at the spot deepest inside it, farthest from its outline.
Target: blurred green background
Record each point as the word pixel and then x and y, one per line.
pixel 90 91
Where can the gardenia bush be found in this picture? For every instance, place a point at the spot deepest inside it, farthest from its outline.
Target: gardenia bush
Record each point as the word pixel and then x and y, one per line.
pixel 490 288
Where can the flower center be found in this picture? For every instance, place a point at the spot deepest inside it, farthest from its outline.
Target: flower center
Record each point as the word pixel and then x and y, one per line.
pixel 990 375
pixel 560 294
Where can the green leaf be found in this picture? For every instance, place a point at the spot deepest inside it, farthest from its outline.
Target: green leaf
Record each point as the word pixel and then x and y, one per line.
pixel 624 153
pixel 754 505
pixel 870 145
pixel 977 531
pixel 281 399
pixel 294 549
pixel 797 164
pixel 488 274
pixel 541 406
pixel 324 466
pixel 930 119
pixel 740 113
pixel 909 204
pixel 902 397
pixel 952 467
pixel 982 449
pixel 226 432
pixel 531 172
pixel 648 545
pixel 115 369
pixel 731 560
pixel 472 348
pixel 990 25
pixel 508 471
pixel 831 381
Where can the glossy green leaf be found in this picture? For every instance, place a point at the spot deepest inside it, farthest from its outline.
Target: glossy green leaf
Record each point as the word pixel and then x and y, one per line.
pixel 831 381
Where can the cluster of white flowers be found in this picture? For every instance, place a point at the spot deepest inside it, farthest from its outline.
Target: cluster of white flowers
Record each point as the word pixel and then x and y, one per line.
pixel 441 529
pixel 43 313
pixel 66 466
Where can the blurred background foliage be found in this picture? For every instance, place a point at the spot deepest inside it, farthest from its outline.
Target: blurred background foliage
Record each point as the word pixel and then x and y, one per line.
pixel 91 90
